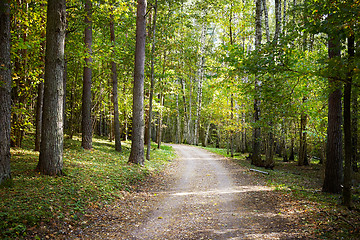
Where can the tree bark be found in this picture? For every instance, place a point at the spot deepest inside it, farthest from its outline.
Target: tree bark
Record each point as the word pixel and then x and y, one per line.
pixel 256 156
pixel 159 131
pixel 137 139
pixel 347 126
pixel 51 149
pixel 152 83
pixel 334 164
pixel 354 126
pixel 5 91
pixel 303 159
pixel 200 81
pixel 277 19
pixel 39 110
pixel 115 99
pixel 266 21
pixel 86 126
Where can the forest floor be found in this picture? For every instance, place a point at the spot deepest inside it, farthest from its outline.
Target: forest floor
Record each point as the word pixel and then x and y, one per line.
pixel 204 196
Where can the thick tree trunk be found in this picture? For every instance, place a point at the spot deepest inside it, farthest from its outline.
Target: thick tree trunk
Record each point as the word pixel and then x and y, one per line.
pixel 5 91
pixel 256 155
pixel 51 150
pixel 334 163
pixel 269 156
pixel 152 84
pixel 137 138
pixel 86 126
pixel 347 126
pixel 115 99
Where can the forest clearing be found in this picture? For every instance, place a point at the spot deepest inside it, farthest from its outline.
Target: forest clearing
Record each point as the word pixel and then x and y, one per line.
pixel 90 90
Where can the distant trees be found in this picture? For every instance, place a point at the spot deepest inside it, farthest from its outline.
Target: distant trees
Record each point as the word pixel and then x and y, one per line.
pixel 5 91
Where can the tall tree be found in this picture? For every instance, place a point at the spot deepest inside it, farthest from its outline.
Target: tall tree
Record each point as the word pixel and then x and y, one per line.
pixel 137 138
pixel 5 90
pixel 51 150
pixel 86 125
pixel 256 154
pixel 115 99
pixel 347 126
pixel 152 84
pixel 334 163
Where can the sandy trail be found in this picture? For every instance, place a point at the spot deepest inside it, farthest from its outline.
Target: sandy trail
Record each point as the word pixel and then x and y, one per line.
pixel 213 199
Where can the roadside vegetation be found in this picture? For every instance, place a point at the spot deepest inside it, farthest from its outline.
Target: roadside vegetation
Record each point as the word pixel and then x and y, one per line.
pixel 323 215
pixel 31 203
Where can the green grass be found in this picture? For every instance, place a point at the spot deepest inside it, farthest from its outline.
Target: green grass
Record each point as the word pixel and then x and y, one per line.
pixel 92 179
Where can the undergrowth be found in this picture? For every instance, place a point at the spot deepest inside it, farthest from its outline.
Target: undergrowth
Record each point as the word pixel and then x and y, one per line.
pixel 323 214
pixel 91 178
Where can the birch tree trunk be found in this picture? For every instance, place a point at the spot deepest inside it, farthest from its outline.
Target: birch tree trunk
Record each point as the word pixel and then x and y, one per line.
pixel 266 21
pixel 86 126
pixel 137 138
pixel 52 135
pixel 5 91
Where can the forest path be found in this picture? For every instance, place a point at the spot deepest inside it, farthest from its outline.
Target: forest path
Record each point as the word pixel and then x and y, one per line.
pixel 201 196
pixel 211 198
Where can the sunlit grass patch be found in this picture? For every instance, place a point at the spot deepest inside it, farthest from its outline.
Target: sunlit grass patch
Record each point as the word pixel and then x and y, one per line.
pixel 92 178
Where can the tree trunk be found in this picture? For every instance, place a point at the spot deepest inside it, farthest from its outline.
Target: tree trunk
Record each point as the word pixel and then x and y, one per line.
pixel 159 131
pixel 5 91
pixel 152 84
pixel 200 81
pixel 115 89
pixel 334 163
pixel 39 110
pixel 256 156
pixel 178 122
pixel 51 149
pixel 269 156
pixel 354 126
pixel 303 159
pixel 347 126
pixel 86 98
pixel 277 19
pixel 266 21
pixel 137 138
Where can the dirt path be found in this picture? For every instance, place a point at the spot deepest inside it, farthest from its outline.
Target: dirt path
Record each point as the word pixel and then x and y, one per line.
pixel 203 197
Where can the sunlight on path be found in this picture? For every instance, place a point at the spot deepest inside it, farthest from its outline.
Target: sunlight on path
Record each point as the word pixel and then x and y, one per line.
pixel 210 200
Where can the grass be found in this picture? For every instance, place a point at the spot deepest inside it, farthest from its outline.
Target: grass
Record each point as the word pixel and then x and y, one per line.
pixel 92 179
pixel 323 213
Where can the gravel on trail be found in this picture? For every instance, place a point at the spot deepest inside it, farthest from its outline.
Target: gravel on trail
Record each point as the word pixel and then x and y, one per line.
pixel 200 196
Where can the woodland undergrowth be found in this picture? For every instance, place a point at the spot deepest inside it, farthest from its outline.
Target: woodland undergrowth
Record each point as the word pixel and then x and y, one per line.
pixel 32 203
pixel 321 214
